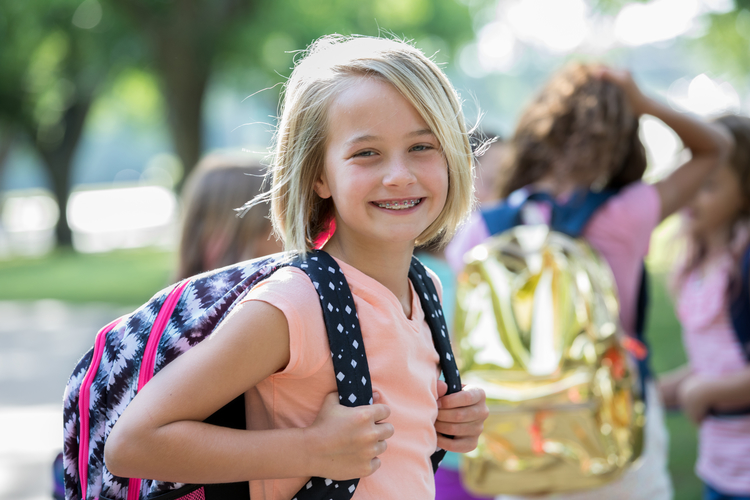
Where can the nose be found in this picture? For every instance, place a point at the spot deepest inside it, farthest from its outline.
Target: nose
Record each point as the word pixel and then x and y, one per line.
pixel 398 173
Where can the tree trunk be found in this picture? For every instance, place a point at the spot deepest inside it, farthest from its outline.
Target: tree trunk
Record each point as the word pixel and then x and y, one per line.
pixel 7 138
pixel 184 79
pixel 184 36
pixel 58 158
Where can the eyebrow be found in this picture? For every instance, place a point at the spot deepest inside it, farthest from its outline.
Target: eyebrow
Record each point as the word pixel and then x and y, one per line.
pixel 365 138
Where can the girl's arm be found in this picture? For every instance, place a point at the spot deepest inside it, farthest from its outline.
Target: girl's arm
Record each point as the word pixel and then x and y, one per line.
pixel 700 394
pixel 160 435
pixel 669 385
pixel 709 143
pixel 730 392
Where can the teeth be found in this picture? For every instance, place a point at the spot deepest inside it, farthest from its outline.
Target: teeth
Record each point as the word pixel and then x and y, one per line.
pixel 399 205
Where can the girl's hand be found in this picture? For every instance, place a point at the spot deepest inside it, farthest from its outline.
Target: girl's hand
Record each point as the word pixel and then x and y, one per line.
pixel 344 443
pixel 695 396
pixel 623 79
pixel 461 415
pixel 669 385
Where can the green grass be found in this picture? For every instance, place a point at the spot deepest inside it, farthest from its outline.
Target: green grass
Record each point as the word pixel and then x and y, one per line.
pixel 128 277
pixel 131 277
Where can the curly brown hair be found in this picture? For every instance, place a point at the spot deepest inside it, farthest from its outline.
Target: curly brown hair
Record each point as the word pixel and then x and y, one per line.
pixel 580 127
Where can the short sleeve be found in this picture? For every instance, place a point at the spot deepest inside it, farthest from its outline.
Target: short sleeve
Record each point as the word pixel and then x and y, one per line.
pixel 628 219
pixel 468 236
pixel 291 291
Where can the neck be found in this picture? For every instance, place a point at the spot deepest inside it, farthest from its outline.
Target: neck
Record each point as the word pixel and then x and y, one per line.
pixel 389 266
pixel 556 187
pixel 718 241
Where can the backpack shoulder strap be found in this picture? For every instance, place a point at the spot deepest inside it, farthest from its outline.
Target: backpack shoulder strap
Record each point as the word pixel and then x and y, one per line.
pixel 501 217
pixel 570 217
pixel 347 352
pixel 739 310
pixel 740 307
pixel 433 312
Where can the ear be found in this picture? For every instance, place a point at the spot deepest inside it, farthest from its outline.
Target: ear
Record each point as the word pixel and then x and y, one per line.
pixel 321 186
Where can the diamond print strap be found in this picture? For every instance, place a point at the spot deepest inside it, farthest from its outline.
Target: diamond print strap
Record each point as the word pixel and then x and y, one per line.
pixel 348 350
pixel 348 354
pixel 433 313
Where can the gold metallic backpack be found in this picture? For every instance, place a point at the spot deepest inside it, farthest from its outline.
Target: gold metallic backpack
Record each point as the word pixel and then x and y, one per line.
pixel 537 327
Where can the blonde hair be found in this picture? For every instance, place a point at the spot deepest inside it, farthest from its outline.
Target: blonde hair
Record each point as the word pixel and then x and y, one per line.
pixel 212 236
pixel 330 64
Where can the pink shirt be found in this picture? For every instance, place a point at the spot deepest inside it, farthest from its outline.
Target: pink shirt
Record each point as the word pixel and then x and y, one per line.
pixel 620 231
pixel 403 366
pixel 713 350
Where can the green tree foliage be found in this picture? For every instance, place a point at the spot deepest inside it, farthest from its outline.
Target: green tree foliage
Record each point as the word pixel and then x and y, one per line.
pixel 726 44
pixel 54 57
pixel 192 41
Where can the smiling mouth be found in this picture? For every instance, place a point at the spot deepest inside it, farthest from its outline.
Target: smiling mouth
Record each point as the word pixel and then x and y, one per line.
pixel 399 205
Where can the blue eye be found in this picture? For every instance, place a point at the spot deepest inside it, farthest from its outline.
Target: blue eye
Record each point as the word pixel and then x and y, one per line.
pixel 422 147
pixel 365 153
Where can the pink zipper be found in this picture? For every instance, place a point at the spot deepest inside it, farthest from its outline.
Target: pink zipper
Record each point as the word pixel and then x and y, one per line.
pixel 148 362
pixel 83 405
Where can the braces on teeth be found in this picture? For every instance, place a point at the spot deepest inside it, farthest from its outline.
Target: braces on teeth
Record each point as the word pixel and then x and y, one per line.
pixel 399 205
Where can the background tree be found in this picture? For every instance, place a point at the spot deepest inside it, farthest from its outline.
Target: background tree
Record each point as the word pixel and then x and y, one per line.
pixel 191 41
pixel 55 57
pixel 184 38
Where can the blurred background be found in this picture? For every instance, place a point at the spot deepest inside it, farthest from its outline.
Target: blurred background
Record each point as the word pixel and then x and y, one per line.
pixel 106 106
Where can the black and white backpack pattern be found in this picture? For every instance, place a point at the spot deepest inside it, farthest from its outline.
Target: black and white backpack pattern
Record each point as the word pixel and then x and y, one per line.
pixel 130 350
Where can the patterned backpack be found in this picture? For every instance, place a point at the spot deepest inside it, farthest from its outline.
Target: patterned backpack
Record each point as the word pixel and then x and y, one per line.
pixel 129 351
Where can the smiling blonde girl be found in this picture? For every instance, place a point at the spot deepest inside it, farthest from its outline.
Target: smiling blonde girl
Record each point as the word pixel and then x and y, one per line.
pixel 372 137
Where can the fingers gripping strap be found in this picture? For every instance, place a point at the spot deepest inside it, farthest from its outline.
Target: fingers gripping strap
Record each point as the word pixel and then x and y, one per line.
pixel 348 354
pixel 433 313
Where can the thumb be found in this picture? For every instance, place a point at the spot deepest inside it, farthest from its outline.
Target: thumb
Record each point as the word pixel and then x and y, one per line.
pixel 375 397
pixel 442 388
pixel 331 399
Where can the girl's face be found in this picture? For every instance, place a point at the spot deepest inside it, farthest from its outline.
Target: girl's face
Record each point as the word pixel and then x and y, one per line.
pixel 717 204
pixel 383 168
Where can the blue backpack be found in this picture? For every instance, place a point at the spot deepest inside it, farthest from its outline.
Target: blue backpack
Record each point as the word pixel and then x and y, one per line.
pixel 128 352
pixel 739 312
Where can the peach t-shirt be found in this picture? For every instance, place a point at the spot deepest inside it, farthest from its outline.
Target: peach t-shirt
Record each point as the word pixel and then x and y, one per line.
pixel 403 366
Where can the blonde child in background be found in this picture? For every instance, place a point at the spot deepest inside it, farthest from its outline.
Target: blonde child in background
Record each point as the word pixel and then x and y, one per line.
pixel 581 133
pixel 372 136
pixel 212 236
pixel 707 282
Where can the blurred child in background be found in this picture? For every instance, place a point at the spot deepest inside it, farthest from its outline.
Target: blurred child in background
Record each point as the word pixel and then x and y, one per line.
pixel 708 284
pixel 488 167
pixel 581 133
pixel 212 236
pixel 489 153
